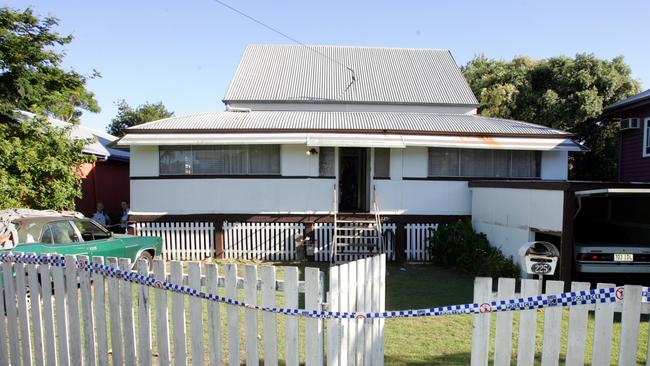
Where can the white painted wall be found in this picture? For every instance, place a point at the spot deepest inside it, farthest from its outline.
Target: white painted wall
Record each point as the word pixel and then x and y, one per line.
pixel 507 215
pixel 555 165
pixel 295 162
pixel 251 196
pixel 354 107
pixel 144 161
pixel 423 197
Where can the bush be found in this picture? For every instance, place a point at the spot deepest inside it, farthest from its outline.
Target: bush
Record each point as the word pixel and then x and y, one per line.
pixel 457 245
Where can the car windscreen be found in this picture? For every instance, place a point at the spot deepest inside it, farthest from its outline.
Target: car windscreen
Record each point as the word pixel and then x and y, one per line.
pixel 91 231
pixel 28 231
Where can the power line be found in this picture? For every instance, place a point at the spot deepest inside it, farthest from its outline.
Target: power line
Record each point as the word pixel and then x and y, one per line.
pixel 289 38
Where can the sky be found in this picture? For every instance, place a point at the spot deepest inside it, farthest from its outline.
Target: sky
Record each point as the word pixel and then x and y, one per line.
pixel 184 53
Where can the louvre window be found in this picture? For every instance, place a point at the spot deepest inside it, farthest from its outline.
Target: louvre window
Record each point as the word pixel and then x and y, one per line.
pixel 481 163
pixel 220 160
pixel 382 163
pixel 326 162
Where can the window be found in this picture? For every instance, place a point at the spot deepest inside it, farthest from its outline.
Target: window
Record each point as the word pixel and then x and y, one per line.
pixel 220 160
pixel 382 163
pixel 448 162
pixel 90 231
pixel 60 232
pixel 646 138
pixel 326 162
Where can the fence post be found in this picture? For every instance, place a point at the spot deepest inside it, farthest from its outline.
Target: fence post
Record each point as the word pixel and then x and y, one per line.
pixel 552 327
pixel 178 316
pixel 99 308
pixel 144 317
pixel 292 344
pixel 87 313
pixel 250 297
pixel 527 325
pixel 577 329
pixel 113 285
pixel 196 315
pixel 269 320
pixel 481 328
pixel 232 314
pixel 37 321
pixel 162 317
pixel 503 332
pixel 214 315
pixel 128 324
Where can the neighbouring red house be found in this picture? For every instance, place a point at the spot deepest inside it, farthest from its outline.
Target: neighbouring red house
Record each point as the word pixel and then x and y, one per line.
pixel 107 179
pixel 634 147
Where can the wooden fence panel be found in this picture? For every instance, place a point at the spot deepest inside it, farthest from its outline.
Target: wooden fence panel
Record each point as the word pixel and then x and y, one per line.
pixel 48 315
pixel 214 315
pixel 178 316
pixel 61 315
pixel 250 315
pixel 181 240
pixel 552 327
pixel 313 327
pixel 292 344
pixel 261 241
pixel 527 326
pixel 269 320
pixel 37 322
pixel 162 317
pixel 577 329
pixel 630 325
pixel 602 343
pixel 417 241
pixel 144 317
pixel 196 314
pixel 503 331
pixel 232 314
pixel 128 323
pixel 87 314
pixel 481 324
pixel 23 316
pixel 99 310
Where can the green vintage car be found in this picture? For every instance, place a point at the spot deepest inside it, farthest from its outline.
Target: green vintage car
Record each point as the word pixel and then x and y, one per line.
pixel 69 234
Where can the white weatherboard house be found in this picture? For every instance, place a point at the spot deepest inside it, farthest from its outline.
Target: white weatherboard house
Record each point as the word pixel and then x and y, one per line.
pixel 360 131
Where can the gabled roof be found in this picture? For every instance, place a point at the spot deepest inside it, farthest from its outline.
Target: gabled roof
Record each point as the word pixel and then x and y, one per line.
pixel 350 122
pixel 100 141
pixel 637 98
pixel 320 74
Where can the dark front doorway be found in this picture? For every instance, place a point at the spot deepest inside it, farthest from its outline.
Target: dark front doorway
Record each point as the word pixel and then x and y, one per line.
pixel 353 179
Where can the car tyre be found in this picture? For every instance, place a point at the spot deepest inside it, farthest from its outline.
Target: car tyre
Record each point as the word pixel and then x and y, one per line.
pixel 146 255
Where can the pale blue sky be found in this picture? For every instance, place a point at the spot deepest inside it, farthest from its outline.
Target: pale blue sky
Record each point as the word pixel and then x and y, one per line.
pixel 184 53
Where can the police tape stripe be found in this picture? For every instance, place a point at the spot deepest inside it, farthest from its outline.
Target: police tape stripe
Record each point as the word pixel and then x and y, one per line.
pixel 603 295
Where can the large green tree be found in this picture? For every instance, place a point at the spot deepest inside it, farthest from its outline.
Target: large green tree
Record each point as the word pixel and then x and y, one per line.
pixel 560 92
pixel 31 75
pixel 38 162
pixel 128 116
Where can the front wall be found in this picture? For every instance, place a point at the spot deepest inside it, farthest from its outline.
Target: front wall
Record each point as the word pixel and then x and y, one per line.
pixel 144 161
pixel 633 166
pixel 507 215
pixel 231 195
pixel 423 197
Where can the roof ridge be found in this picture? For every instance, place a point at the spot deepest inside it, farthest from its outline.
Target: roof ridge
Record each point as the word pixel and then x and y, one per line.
pixel 346 46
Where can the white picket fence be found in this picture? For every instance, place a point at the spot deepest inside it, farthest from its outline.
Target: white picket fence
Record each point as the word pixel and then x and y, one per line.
pixel 357 286
pixel 577 332
pixel 181 240
pixel 417 242
pixel 261 241
pixel 72 310
pixel 323 233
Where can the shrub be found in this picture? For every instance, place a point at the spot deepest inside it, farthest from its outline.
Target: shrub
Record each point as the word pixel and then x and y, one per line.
pixel 459 246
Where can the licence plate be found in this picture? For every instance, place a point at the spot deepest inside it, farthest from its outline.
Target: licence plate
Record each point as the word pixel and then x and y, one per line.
pixel 623 257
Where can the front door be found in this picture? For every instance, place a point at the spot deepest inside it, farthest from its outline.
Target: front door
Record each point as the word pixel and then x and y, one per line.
pixel 353 179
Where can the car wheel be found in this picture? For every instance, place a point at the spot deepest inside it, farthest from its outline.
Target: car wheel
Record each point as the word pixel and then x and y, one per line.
pixel 146 255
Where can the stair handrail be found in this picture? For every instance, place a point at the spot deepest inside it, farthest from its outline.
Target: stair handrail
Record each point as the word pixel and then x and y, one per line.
pixel 375 207
pixel 334 234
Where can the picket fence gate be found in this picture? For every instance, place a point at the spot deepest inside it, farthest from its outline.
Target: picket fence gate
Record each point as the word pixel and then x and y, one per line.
pixel 357 286
pixel 181 240
pixel 261 241
pixel 631 309
pixel 417 242
pixel 72 310
pixel 323 233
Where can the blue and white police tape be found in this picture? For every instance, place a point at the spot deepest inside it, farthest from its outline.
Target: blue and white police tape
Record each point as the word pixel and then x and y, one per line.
pixel 603 295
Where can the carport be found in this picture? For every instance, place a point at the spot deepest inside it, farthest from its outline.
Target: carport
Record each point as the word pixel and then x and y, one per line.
pixel 512 212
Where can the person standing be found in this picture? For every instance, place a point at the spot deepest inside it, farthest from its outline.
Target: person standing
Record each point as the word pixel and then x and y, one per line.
pixel 100 216
pixel 124 221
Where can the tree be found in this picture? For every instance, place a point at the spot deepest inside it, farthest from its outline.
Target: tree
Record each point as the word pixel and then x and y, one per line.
pixel 38 165
pixel 128 117
pixel 31 76
pixel 558 92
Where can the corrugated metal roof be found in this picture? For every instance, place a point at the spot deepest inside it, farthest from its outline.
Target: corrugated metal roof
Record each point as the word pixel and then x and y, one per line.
pixel 294 73
pixel 258 121
pixel 627 101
